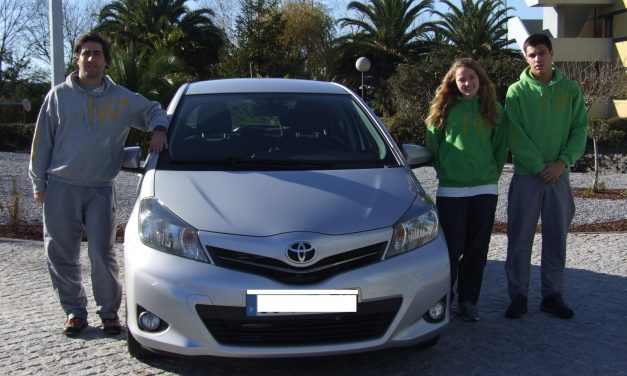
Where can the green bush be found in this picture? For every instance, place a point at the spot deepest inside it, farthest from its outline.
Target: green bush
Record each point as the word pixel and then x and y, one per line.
pixel 617 137
pixel 406 128
pixel 412 89
pixel 16 137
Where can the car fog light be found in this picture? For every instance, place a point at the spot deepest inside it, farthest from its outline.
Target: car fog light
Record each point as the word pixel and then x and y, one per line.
pixel 436 313
pixel 149 321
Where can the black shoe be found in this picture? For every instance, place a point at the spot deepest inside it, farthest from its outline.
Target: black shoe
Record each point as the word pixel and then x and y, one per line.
pixel 555 305
pixel 469 312
pixel 112 326
pixel 74 325
pixel 517 307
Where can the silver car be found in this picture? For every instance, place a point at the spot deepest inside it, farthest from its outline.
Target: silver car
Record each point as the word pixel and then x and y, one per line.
pixel 282 221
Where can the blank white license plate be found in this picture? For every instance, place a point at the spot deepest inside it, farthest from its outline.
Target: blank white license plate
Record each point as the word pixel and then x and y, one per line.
pixel 285 302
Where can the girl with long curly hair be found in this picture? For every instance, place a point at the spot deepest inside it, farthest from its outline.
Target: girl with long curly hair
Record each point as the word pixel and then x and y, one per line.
pixel 466 134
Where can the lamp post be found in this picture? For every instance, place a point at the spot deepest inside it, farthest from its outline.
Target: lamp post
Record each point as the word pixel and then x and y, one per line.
pixel 363 65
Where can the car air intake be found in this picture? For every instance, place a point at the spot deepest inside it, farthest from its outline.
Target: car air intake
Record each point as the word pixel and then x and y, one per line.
pixel 231 326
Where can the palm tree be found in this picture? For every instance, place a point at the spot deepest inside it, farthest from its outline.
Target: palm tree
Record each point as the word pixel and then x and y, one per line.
pixel 477 29
pixel 150 25
pixel 388 33
pixel 387 30
pixel 157 74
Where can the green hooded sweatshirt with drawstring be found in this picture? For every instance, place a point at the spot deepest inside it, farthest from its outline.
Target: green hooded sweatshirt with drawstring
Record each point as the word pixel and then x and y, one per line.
pixel 467 151
pixel 546 122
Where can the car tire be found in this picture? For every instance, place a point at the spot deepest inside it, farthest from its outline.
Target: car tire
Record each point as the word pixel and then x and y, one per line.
pixel 135 349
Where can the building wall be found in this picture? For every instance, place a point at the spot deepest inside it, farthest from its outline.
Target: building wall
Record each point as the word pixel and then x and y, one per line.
pixel 619 26
pixel 618 5
pixel 582 49
pixel 620 108
pixel 621 51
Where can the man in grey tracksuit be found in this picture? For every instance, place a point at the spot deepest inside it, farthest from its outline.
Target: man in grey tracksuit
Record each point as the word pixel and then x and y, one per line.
pixel 76 154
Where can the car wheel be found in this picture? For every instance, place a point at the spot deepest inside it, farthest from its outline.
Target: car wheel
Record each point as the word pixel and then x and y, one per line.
pixel 135 349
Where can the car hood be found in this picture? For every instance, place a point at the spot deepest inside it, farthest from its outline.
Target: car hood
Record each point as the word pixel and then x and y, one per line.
pixel 268 203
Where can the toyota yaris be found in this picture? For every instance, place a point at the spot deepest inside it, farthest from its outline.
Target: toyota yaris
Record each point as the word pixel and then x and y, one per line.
pixel 282 221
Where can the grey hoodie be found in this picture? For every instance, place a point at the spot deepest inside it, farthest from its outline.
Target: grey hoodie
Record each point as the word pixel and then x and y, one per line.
pixel 80 134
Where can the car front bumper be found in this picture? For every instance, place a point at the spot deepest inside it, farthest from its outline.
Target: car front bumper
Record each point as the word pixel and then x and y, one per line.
pixel 187 294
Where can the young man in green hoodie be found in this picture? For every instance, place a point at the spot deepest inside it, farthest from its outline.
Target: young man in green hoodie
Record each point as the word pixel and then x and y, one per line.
pixel 547 124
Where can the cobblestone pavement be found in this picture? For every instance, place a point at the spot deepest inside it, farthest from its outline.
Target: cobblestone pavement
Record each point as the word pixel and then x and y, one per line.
pixel 593 342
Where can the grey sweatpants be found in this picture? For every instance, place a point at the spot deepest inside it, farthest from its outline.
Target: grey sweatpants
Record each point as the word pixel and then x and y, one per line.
pixel 528 200
pixel 68 209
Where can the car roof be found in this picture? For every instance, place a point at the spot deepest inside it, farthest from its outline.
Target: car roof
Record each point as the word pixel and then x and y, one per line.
pixel 264 85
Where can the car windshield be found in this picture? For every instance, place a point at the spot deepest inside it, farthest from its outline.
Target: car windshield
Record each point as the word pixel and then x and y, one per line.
pixel 277 131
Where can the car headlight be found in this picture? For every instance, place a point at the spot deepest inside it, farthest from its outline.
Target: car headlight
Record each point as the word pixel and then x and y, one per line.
pixel 412 233
pixel 162 230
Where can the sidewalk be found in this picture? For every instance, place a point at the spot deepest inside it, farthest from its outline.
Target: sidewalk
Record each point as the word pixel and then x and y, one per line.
pixel 594 342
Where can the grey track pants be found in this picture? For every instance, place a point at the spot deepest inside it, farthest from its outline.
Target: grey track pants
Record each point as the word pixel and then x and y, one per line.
pixel 68 209
pixel 528 200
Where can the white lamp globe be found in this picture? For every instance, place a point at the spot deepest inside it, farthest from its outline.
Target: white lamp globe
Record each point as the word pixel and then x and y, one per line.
pixel 362 64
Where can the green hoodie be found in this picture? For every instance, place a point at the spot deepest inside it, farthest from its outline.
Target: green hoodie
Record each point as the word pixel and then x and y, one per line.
pixel 468 153
pixel 546 122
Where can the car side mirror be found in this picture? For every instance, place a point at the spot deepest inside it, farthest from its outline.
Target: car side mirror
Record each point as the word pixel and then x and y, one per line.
pixel 131 159
pixel 416 155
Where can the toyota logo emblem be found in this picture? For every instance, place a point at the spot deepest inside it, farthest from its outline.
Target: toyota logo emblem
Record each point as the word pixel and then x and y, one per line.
pixel 301 252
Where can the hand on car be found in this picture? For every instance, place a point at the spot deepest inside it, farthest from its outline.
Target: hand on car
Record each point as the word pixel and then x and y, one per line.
pixel 158 142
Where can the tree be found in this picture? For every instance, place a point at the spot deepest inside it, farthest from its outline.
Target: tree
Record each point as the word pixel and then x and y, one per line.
pixel 165 25
pixel 79 17
pixel 600 81
pixel 257 50
pixel 388 33
pixel 413 88
pixel 156 73
pixel 477 29
pixel 13 17
pixel 308 36
pixel 224 17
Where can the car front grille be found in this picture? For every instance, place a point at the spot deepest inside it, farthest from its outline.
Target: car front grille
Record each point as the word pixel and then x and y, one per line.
pixel 281 271
pixel 231 326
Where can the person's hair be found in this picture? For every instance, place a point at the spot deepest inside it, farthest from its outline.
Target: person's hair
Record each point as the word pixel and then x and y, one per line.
pixel 448 93
pixel 535 40
pixel 93 36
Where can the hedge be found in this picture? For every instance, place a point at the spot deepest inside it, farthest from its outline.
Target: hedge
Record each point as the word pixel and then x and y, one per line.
pixel 16 137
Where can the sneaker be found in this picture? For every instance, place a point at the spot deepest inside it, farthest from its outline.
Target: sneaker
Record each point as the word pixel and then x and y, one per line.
pixel 74 325
pixel 469 312
pixel 555 305
pixel 517 307
pixel 111 326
